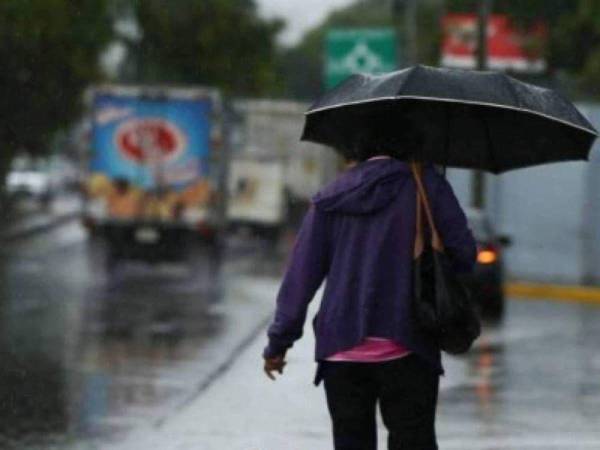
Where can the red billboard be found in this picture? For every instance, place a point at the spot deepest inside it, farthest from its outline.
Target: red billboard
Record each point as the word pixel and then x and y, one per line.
pixel 510 47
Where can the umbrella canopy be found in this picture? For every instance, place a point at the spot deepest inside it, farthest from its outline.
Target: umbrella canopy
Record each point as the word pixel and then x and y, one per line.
pixel 468 119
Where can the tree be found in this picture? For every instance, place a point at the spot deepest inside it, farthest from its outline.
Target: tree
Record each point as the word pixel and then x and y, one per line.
pixel 523 12
pixel 572 52
pixel 576 48
pixel 302 65
pixel 50 53
pixel 221 43
pixel 573 49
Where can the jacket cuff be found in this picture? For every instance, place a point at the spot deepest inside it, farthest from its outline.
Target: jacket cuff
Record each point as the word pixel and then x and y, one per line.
pixel 273 350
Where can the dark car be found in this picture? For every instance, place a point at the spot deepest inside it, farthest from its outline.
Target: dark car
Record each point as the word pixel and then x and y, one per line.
pixel 487 280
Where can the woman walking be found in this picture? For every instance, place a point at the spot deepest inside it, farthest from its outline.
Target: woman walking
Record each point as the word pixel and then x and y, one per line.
pixel 359 234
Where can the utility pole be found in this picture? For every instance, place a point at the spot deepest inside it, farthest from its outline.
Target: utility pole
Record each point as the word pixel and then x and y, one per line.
pixel 410 25
pixel 483 15
pixel 484 10
pixel 406 11
pixel 442 10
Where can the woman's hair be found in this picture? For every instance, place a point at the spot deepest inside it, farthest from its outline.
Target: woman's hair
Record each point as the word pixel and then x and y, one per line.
pixel 383 136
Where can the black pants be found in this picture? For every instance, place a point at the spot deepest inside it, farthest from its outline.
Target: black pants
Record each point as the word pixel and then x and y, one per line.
pixel 406 390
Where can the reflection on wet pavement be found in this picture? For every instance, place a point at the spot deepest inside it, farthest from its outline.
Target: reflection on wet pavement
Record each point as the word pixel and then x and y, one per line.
pixel 87 355
pixel 532 383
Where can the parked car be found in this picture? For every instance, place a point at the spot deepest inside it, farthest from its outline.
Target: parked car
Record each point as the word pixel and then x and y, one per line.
pixel 31 179
pixel 487 280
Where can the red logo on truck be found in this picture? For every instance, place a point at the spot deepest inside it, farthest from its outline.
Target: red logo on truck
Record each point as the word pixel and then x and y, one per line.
pixel 147 141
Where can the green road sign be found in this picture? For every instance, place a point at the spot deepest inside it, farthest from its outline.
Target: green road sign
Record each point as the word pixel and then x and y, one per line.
pixel 358 50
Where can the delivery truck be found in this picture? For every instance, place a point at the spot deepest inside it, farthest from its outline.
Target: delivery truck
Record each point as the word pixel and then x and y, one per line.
pixel 273 174
pixel 156 167
pixel 257 196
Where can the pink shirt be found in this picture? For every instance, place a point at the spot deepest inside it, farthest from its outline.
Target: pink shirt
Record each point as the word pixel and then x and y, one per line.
pixel 372 349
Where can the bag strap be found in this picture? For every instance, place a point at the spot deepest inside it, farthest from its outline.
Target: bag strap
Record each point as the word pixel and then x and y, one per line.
pixel 423 203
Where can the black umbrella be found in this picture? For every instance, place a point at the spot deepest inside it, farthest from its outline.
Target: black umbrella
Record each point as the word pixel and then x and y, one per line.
pixel 477 120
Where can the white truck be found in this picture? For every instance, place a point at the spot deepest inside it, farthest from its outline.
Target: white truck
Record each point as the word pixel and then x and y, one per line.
pixel 257 195
pixel 272 174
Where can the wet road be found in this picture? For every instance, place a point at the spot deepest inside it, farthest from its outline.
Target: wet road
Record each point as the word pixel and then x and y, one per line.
pixel 88 357
pixel 529 385
pixel 532 383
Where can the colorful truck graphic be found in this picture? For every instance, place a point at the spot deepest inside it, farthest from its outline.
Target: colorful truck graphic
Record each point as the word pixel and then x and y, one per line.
pixel 161 142
pixel 153 163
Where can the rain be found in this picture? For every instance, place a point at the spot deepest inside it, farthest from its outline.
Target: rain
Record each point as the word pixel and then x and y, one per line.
pixel 164 170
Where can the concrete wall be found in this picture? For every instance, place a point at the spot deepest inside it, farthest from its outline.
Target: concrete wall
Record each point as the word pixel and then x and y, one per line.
pixel 552 214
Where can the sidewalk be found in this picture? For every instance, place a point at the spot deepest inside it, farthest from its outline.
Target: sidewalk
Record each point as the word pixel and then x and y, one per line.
pixel 244 410
pixel 502 397
pixel 34 219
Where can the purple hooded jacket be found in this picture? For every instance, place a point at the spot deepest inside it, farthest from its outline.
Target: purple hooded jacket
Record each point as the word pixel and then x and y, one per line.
pixel 359 234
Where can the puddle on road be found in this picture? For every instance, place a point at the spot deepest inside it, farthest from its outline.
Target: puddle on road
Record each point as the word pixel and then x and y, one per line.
pixel 525 381
pixel 87 357
pixel 84 362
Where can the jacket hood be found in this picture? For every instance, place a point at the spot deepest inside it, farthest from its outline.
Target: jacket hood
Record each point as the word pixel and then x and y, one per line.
pixel 365 189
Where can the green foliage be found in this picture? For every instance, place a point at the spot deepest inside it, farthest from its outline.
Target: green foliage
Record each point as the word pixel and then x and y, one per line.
pixel 576 47
pixel 302 65
pixel 220 43
pixel 573 49
pixel 49 50
pixel 524 11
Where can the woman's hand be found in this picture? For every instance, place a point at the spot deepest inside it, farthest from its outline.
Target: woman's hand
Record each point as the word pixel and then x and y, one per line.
pixel 275 364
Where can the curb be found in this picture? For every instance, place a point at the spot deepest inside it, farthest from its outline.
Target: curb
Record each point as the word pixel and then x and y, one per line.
pixel 220 370
pixel 563 293
pixel 39 228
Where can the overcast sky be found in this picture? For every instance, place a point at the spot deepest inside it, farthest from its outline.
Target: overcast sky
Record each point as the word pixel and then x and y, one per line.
pixel 300 15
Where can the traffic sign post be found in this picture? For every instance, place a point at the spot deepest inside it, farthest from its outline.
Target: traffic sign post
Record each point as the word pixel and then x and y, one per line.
pixel 358 50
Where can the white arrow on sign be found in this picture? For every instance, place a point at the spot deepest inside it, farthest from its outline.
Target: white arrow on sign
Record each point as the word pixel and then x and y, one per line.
pixel 360 59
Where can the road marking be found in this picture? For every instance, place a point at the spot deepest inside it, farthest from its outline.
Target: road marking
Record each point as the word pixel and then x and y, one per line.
pixel 564 293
